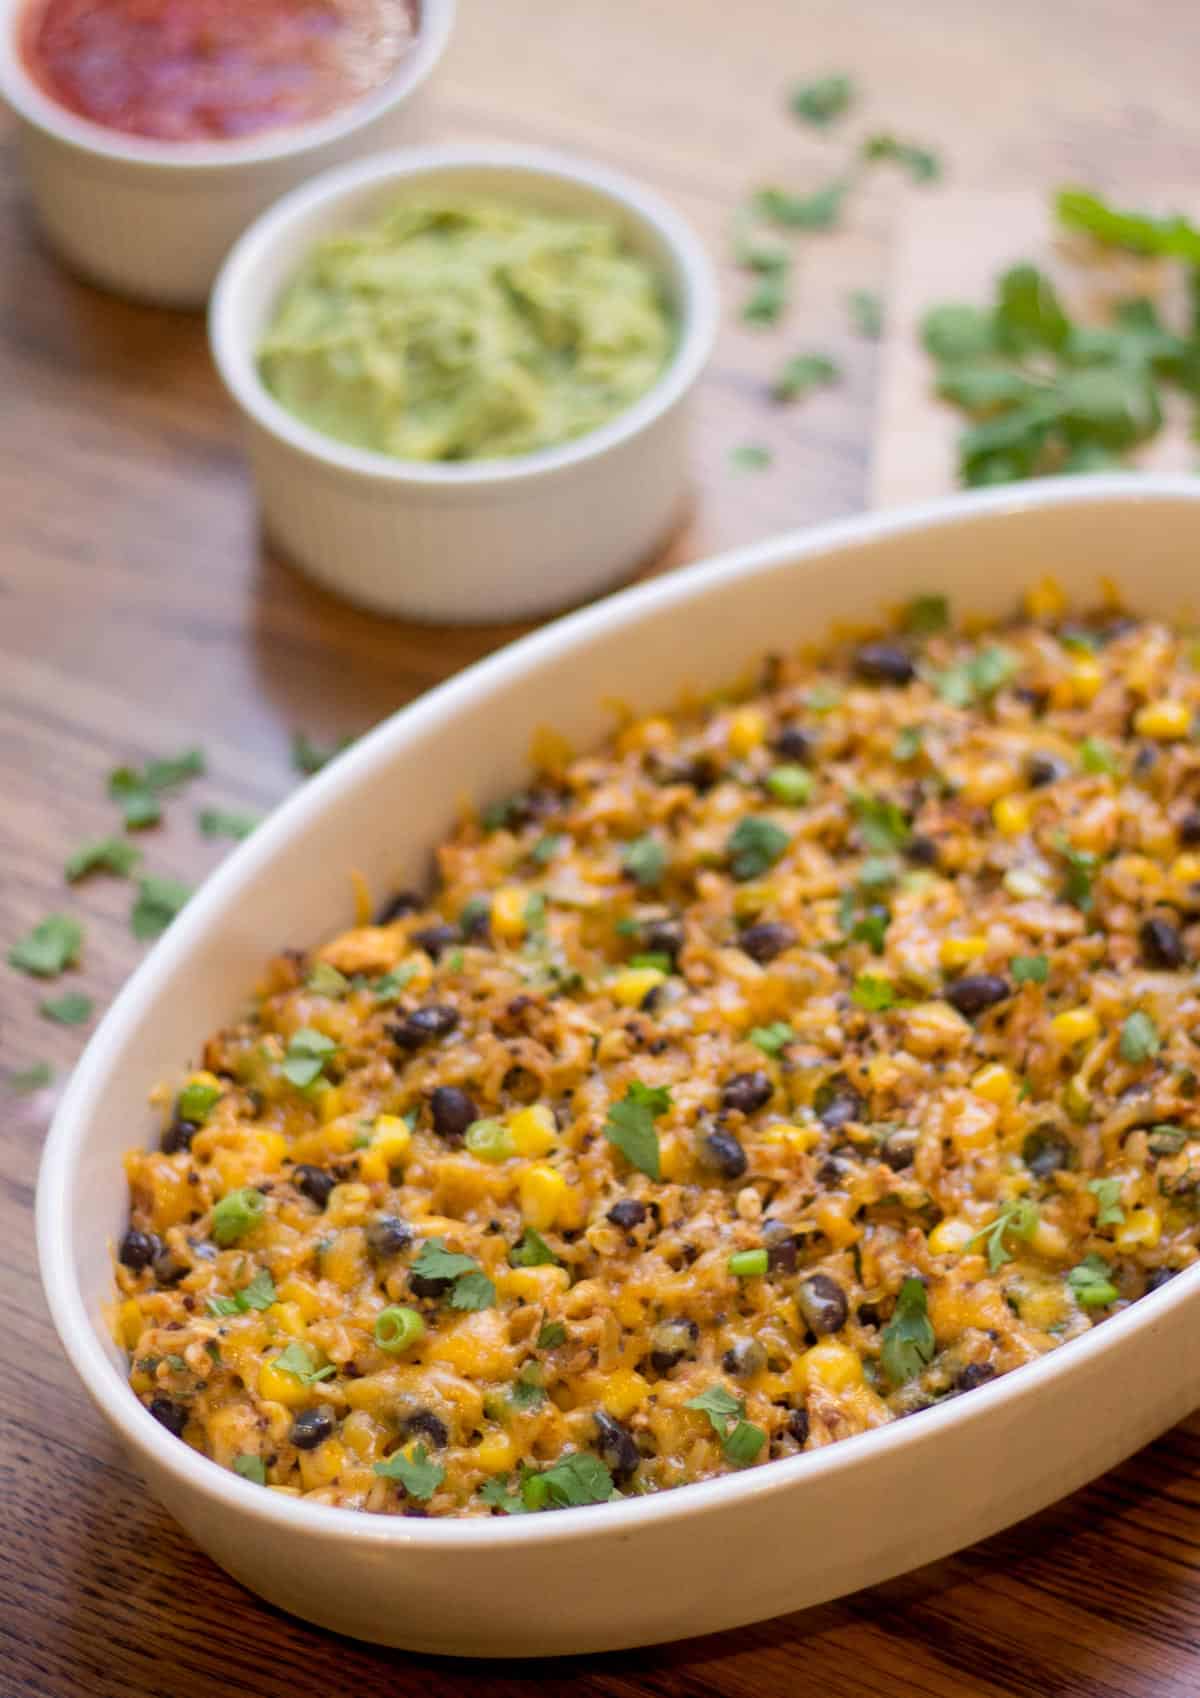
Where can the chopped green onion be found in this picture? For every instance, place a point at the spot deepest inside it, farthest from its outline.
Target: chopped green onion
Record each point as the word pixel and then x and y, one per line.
pixel 237 1214
pixel 748 1264
pixel 398 1328
pixel 489 1140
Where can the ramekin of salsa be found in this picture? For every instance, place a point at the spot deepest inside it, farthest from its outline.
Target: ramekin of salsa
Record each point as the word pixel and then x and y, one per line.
pixel 154 131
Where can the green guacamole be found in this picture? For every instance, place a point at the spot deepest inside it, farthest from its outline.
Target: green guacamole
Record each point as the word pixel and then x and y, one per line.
pixel 467 329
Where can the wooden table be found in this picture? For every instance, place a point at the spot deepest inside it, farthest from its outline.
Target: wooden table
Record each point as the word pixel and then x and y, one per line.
pixel 138 615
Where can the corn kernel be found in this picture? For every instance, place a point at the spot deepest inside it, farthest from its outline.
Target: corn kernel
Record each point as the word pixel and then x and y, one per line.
pixel 1045 599
pixel 542 1191
pixel 832 1366
pixel 1140 1230
pixel 1075 1026
pixel 633 986
pixel 747 730
pixel 203 1077
pixel 1166 720
pixel 332 1103
pixel 534 1131
pixel 372 1168
pixel 393 1138
pixel 1011 814
pixel 1185 869
pixel 797 1138
pixel 495 1453
pixel 624 1391
pixel 630 1309
pixel 508 912
pixel 1050 1240
pixel 961 951
pixel 988 780
pixel 300 1295
pixel 289 1317
pixel 949 1237
pixel 996 1083
pixel 131 1322
pixel 276 1385
pixel 321 1467
pixel 536 1285
pixel 1085 677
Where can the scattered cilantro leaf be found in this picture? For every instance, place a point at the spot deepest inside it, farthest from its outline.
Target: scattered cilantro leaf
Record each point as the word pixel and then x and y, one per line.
pixel 1140 1040
pixel 630 1125
pixel 1030 969
pixel 873 993
pixel 387 988
pixel 753 847
pixel 222 822
pixel 977 678
pixel 1082 865
pixel 645 860
pixel 472 1291
pixel 325 980
pixel 105 854
pixel 416 1473
pixel 771 1039
pixel 882 824
pixel 908 743
pixel 573 1480
pixel 49 949
pixel 802 374
pixel 767 301
pixel 259 1294
pixel 436 1262
pixel 251 1468
pixel 908 1340
pixel 866 313
pixel 306 1055
pixel 35 1077
pixel 70 1009
pixel 156 905
pixel 743 1444
pixel 496 1494
pixel 1096 756
pixel 546 848
pixel 138 794
pixel 821 101
pixel 750 457
pixel 656 958
pixel 309 757
pixel 531 1251
pixel 1091 1282
pixel 552 1334
pixel 300 1360
pixel 817 211
pixel 1173 237
pixel 1018 1218
pixel 721 1407
pixel 922 165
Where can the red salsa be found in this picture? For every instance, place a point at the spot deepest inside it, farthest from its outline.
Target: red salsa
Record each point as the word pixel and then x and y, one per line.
pixel 213 70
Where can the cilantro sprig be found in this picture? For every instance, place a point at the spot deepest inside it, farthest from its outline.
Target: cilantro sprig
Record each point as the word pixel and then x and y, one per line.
pixel 908 1339
pixel 740 1439
pixel 630 1125
pixel 470 1288
pixel 416 1473
pixel 1017 1219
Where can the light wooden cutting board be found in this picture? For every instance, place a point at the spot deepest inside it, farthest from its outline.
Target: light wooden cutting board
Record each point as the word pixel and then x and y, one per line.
pixel 952 246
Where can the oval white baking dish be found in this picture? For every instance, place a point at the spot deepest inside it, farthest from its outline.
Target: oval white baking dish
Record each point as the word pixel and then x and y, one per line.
pixel 724 1552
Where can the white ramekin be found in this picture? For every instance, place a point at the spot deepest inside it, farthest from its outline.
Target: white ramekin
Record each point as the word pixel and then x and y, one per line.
pixel 155 219
pixel 492 539
pixel 704 1557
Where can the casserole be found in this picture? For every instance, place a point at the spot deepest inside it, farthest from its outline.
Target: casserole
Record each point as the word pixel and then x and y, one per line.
pixel 787 1536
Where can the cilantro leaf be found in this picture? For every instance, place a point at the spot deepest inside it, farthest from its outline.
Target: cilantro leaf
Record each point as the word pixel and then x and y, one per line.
pixel 750 457
pixel 32 1078
pixel 977 678
pixel 766 302
pixel 531 1251
pixel 387 988
pixel 137 793
pixel 1082 865
pixel 1019 1218
pixel 259 1294
pixel 309 757
pixel 49 949
pixel 1172 237
pixel 1140 1040
pixel 882 824
pixel 1091 1282
pixel 1107 1193
pixel 251 1468
pixel 105 854
pixel 1030 969
pixel 754 846
pixel 552 1334
pixel 952 332
pixel 818 211
pixel 307 1053
pixel 908 1340
pixel 1030 308
pixel 157 903
pixel 416 1473
pixel 325 980
pixel 743 1444
pixel 821 101
pixel 645 860
pixel 573 1480
pixel 922 165
pixel 300 1360
pixel 771 1039
pixel 873 993
pixel 721 1407
pixel 803 373
pixel 472 1291
pixel 436 1262
pixel 496 1494
pixel 926 615
pixel 70 1009
pixel 1096 756
pixel 630 1125
pixel 866 313
pixel 221 822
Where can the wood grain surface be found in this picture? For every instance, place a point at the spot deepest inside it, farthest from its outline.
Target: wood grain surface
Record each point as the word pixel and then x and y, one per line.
pixel 139 614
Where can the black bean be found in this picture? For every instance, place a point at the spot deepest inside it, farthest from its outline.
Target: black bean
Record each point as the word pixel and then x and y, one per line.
pixel 1189 827
pixel 434 939
pixel 1045 1151
pixel 701 772
pixel 627 1212
pixel 797 1425
pixel 1159 1278
pixel 617 1446
pixel 836 1168
pixel 436 1020
pixel 867 1315
pixel 312 1427
pixel 671 1342
pixel 974 1374
pixel 884 663
pixel 745 1093
pixel 395 908
pixel 836 1101
pixel 899 1148
pixel 764 941
pixel 178 1136
pixel 663 937
pixel 138 1249
pixel 783 1246
pixel 822 1302
pixel 313 1183
pixel 1145 760
pixel 475 922
pixel 388 1235
pixel 793 743
pixel 422 1285
pixel 1161 943
pixel 744 1358
pixel 423 1423
pixel 922 851
pixel 167 1271
pixel 452 1110
pixel 1044 769
pixel 976 992
pixel 169 1414
pixel 721 1150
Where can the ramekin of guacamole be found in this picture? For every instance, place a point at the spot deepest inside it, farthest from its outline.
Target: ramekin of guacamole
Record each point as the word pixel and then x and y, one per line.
pixel 464 328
